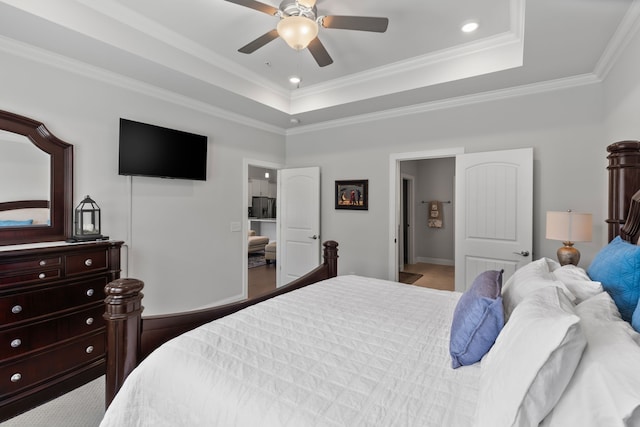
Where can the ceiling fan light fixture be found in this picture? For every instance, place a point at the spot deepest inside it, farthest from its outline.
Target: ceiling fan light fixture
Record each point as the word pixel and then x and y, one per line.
pixel 295 80
pixel 297 31
pixel 307 3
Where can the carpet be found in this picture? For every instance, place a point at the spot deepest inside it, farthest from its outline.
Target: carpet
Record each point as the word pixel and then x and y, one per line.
pixel 256 259
pixel 82 407
pixel 408 278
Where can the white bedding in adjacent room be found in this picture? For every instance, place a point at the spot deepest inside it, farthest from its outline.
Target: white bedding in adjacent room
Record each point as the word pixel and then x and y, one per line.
pixel 349 351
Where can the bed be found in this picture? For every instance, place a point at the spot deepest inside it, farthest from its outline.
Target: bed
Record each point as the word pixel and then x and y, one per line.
pixel 553 346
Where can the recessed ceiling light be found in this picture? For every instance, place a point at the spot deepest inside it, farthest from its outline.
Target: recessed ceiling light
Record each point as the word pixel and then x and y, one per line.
pixel 295 80
pixel 469 27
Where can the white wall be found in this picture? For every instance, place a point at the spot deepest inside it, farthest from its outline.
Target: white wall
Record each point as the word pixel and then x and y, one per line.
pixel 622 95
pixel 181 243
pixel 564 127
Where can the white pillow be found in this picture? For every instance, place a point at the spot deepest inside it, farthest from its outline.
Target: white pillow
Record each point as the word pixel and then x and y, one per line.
pixel 530 277
pixel 531 362
pixel 577 281
pixel 605 388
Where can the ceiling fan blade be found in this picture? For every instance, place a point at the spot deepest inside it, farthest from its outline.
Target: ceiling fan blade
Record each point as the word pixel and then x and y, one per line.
pixel 259 42
pixel 360 23
pixel 319 53
pixel 261 7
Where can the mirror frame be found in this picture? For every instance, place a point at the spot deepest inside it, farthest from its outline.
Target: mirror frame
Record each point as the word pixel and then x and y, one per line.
pixel 61 182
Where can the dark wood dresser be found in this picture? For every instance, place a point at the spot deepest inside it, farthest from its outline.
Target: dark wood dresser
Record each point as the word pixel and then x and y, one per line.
pixel 52 333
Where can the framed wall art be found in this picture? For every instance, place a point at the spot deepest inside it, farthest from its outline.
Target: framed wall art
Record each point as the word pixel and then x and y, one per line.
pixel 352 194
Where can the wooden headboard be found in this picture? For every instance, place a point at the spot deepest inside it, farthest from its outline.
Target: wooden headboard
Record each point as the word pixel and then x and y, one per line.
pixel 624 183
pixel 37 210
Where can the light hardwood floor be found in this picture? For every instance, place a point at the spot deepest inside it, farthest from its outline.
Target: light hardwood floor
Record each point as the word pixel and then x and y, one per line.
pixel 433 275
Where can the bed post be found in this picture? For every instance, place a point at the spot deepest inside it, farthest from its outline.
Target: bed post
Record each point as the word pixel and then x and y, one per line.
pixel 624 181
pixel 331 257
pixel 123 315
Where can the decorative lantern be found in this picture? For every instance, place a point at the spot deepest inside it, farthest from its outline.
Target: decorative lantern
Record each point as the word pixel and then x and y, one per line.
pixel 87 221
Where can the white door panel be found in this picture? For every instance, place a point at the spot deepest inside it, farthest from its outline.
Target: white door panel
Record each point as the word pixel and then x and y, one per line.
pixel 494 209
pixel 299 212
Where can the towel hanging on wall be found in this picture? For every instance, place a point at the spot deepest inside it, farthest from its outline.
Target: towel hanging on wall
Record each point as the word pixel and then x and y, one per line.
pixel 434 219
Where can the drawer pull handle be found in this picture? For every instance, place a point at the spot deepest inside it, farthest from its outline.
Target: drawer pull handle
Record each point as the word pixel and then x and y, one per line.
pixel 88 262
pixel 41 276
pixel 89 292
pixel 43 263
pixel 89 321
pixel 16 343
pixel 16 309
pixel 16 377
pixel 89 349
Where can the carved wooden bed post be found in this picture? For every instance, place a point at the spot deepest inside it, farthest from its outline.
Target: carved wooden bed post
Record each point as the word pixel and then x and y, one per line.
pixel 123 314
pixel 624 181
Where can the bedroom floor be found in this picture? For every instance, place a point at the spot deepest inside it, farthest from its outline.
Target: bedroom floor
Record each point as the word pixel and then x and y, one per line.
pixel 433 275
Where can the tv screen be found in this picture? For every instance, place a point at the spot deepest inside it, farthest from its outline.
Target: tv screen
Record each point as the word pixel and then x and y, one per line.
pixel 149 150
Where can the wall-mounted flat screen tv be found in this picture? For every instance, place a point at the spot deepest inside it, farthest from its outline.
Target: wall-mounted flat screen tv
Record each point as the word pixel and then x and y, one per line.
pixel 149 150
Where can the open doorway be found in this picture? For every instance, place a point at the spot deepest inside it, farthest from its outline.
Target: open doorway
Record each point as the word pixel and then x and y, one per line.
pixel 426 249
pixel 261 225
pixel 423 220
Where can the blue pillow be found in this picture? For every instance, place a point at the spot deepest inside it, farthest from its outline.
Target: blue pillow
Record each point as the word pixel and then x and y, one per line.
pixel 477 319
pixel 15 223
pixel 617 267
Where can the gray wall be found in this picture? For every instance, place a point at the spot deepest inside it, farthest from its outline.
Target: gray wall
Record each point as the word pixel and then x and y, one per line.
pixel 565 128
pixel 435 181
pixel 180 243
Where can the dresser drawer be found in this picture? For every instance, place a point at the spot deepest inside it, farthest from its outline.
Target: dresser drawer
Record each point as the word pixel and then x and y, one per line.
pixel 33 370
pixel 17 341
pixel 31 264
pixel 86 262
pixel 31 277
pixel 28 305
pixel 32 270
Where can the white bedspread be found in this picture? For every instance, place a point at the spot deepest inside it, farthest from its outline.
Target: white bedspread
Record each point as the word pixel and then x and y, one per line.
pixel 349 351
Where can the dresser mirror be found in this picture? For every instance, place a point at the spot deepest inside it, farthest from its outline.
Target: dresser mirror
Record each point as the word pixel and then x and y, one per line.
pixel 36 182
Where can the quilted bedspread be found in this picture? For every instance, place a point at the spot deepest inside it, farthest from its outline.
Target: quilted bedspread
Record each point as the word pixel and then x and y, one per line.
pixel 349 351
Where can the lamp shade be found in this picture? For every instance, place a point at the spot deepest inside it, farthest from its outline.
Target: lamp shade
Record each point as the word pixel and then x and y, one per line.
pixel 297 31
pixel 569 226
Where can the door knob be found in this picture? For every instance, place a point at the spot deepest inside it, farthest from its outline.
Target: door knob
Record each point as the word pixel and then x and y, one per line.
pixel 522 253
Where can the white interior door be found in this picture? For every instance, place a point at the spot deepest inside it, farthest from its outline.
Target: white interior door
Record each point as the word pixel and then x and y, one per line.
pixel 298 249
pixel 494 213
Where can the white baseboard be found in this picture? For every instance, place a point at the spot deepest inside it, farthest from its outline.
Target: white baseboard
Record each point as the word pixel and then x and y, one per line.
pixel 438 261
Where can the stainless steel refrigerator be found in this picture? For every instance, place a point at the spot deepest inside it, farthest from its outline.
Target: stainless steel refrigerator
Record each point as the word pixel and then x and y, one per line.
pixel 263 207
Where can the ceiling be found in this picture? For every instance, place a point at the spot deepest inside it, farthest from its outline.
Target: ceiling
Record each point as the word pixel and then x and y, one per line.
pixel 188 51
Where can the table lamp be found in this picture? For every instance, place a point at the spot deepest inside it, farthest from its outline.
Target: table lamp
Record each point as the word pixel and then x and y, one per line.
pixel 569 227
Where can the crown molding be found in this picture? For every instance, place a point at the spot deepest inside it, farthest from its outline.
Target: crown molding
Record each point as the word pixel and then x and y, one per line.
pixel 629 26
pixel 46 57
pixel 496 95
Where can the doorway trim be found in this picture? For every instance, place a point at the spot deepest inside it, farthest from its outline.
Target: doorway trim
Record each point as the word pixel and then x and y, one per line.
pixel 246 162
pixel 395 189
pixel 409 202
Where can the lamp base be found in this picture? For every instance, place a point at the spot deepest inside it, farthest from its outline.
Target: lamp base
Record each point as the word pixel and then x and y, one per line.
pixel 568 254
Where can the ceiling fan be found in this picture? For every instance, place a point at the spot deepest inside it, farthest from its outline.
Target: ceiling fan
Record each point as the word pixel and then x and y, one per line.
pixel 298 26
